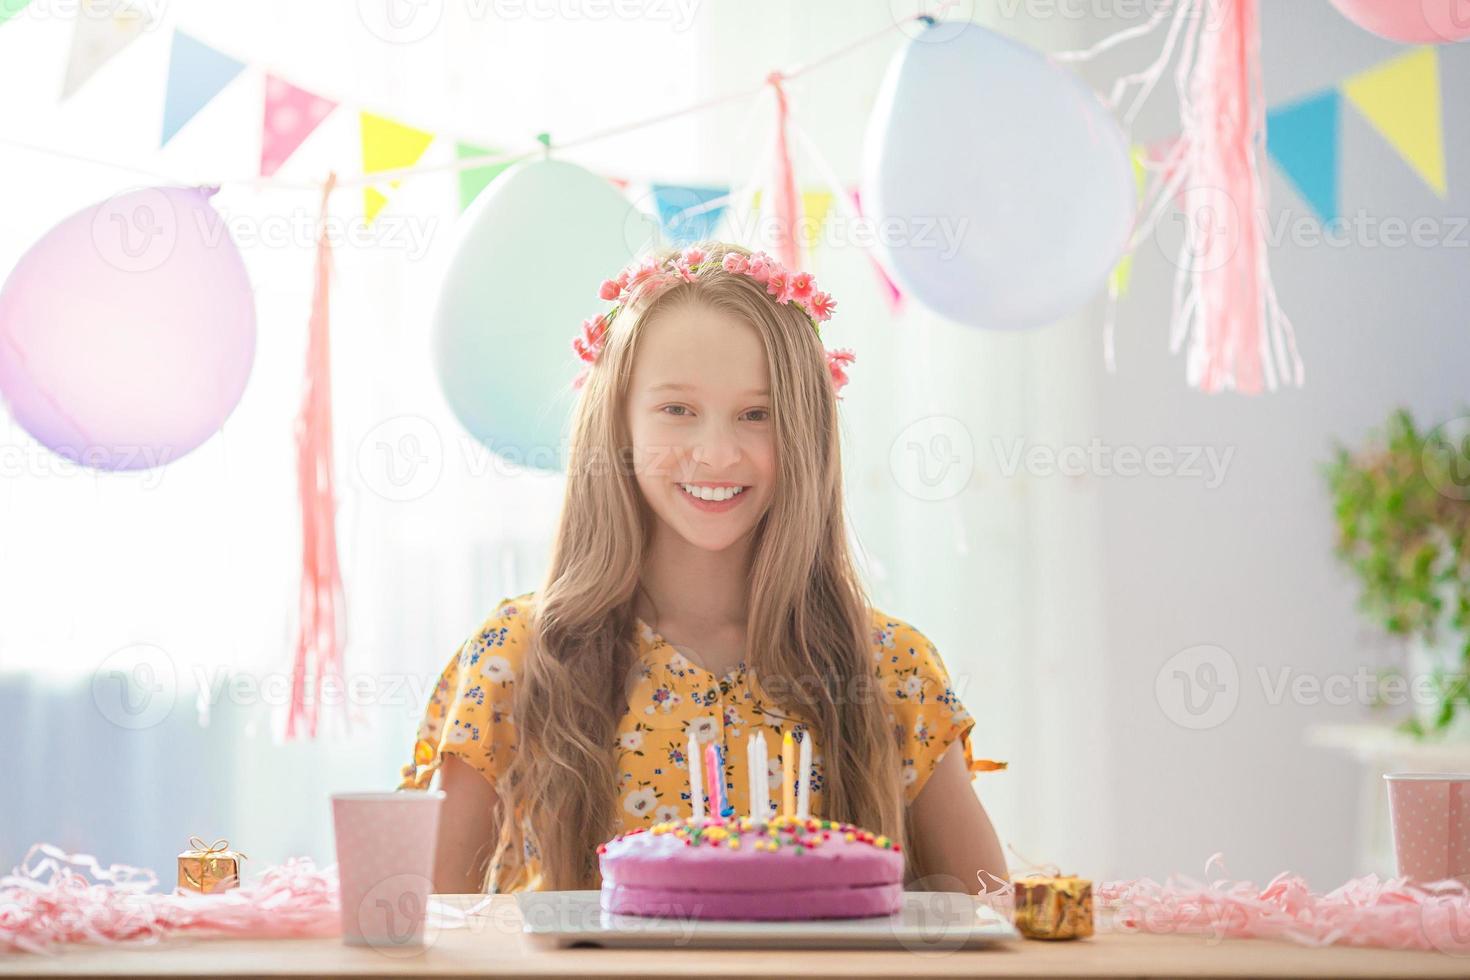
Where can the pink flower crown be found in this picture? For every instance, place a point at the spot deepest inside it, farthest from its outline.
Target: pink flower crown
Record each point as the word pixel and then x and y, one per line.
pixel 786 286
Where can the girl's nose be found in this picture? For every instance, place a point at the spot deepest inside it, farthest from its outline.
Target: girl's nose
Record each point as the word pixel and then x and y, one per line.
pixel 717 449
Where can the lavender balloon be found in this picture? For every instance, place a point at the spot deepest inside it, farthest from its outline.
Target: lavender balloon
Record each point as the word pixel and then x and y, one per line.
pixel 128 331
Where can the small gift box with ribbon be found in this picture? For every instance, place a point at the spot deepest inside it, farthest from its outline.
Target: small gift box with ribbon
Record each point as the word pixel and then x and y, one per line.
pixel 209 867
pixel 1053 907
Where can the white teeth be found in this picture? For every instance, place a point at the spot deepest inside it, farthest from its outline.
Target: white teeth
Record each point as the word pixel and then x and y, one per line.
pixel 710 493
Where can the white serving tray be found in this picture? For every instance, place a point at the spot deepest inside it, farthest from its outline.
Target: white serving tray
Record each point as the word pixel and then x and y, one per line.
pixel 928 921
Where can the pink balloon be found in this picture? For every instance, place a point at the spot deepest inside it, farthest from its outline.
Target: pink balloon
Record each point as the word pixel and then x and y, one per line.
pixel 128 331
pixel 1410 21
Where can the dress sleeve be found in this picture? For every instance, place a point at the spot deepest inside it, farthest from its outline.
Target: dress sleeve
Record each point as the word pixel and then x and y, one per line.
pixel 469 711
pixel 927 713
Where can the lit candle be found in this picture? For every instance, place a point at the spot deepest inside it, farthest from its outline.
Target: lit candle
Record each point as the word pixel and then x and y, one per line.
pixel 804 778
pixel 713 777
pixel 696 788
pixel 788 775
pixel 762 779
pixel 726 810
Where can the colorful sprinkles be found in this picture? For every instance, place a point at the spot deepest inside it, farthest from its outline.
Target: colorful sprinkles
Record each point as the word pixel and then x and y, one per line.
pixel 770 835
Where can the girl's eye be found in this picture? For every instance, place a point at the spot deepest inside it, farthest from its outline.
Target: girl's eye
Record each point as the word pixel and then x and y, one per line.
pixel 682 411
pixel 761 412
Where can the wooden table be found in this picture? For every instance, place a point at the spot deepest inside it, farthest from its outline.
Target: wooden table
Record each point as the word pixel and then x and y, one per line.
pixel 491 946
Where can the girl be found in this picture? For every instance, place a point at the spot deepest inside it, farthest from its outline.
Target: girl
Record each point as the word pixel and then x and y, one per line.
pixel 700 585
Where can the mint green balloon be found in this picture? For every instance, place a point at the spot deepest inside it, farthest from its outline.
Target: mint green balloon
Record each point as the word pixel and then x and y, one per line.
pixel 535 246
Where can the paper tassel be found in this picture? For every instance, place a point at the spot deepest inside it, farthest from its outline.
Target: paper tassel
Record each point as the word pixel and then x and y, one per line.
pixel 102 29
pixel 319 643
pixel 891 293
pixel 196 74
pixel 785 203
pixel 1225 312
pixel 291 114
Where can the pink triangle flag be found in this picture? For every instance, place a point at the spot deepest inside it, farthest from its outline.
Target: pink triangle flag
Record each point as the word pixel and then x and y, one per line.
pixel 290 115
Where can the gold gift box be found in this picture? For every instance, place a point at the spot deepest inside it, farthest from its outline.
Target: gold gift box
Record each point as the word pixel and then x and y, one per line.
pixel 209 867
pixel 1054 907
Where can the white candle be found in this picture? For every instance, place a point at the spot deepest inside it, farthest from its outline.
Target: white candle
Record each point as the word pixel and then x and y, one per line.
pixel 804 778
pixel 760 786
pixel 696 780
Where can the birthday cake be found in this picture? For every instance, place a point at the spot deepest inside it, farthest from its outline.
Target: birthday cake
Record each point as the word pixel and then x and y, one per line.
pixel 740 868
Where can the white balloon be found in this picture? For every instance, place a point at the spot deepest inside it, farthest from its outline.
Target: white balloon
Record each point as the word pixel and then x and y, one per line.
pixel 535 246
pixel 1000 187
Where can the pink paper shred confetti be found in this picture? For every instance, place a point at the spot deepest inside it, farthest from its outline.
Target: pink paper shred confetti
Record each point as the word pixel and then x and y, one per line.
pixel 1392 913
pixel 53 898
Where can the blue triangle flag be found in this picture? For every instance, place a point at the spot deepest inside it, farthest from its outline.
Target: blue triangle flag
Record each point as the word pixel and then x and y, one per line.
pixel 1302 137
pixel 689 214
pixel 196 73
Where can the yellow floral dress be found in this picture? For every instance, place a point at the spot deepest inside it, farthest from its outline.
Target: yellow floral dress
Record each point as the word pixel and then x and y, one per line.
pixel 671 699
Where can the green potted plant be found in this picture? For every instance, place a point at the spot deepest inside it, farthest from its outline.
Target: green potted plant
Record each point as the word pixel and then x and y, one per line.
pixel 1402 507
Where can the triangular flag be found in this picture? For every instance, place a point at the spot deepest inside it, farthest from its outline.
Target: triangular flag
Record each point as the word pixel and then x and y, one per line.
pixel 102 29
pixel 473 181
pixel 388 145
pixel 1401 100
pixel 290 115
pixel 1123 271
pixel 9 8
pixel 1302 137
pixel 688 214
pixel 196 73
pixel 814 208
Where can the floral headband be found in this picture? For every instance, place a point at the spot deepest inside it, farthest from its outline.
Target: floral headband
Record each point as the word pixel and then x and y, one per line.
pixel 786 286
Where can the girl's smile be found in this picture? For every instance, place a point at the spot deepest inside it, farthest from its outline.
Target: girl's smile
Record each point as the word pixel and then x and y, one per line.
pixel 713 498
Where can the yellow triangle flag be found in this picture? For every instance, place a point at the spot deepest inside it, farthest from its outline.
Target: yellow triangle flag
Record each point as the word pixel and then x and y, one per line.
pixel 388 145
pixel 1400 98
pixel 1123 271
pixel 814 208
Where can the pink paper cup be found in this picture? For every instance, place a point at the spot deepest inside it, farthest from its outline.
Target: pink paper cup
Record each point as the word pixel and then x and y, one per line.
pixel 385 864
pixel 1430 814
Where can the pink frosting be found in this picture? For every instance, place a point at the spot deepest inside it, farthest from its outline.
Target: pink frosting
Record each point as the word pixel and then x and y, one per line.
pixel 787 870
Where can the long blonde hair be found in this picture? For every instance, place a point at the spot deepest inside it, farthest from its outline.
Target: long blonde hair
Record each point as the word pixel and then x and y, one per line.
pixel 808 629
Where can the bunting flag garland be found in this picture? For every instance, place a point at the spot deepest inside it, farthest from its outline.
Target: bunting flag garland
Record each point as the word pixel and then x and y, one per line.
pixel 321 631
pixel 9 8
pixel 102 29
pixel 1401 100
pixel 473 181
pixel 1303 138
pixel 196 74
pixel 290 115
pixel 814 208
pixel 688 214
pixel 388 145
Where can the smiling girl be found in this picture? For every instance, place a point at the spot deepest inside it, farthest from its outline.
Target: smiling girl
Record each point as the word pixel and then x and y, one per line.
pixel 700 585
